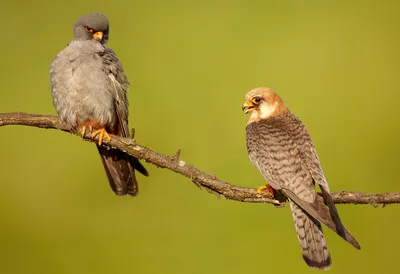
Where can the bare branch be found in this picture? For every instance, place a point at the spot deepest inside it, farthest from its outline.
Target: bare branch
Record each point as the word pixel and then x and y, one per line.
pixel 209 182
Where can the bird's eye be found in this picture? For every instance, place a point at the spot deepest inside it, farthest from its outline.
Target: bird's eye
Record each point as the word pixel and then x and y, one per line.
pixel 256 100
pixel 89 29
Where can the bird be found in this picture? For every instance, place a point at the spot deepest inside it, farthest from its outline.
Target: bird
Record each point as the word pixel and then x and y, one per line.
pixel 89 89
pixel 280 147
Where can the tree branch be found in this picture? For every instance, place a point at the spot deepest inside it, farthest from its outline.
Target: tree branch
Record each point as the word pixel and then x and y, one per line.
pixel 209 182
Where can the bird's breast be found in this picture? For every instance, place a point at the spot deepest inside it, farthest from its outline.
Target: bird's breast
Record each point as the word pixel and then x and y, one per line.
pixel 80 88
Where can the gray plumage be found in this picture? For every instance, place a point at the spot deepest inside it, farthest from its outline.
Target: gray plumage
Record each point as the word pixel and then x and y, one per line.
pixel 89 88
pixel 279 145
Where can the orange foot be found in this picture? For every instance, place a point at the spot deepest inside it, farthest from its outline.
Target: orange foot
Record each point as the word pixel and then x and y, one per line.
pixel 267 187
pixel 103 134
pixel 83 132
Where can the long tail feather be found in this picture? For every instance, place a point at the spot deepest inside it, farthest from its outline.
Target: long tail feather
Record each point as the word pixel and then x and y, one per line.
pixel 120 171
pixel 321 213
pixel 311 239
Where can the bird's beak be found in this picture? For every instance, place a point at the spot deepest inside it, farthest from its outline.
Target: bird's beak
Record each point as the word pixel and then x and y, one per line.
pixel 98 35
pixel 247 107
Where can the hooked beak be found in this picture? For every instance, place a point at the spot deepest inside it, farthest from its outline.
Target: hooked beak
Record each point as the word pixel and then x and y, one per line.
pixel 247 107
pixel 98 35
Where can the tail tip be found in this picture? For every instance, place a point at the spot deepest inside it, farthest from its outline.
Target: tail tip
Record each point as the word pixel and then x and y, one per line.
pixel 322 265
pixel 133 192
pixel 356 245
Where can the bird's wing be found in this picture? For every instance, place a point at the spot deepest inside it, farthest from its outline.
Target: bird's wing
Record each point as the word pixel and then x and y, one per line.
pixel 118 87
pixel 306 149
pixel 299 134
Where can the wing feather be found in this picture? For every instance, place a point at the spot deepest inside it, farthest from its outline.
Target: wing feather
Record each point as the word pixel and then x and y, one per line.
pixel 120 167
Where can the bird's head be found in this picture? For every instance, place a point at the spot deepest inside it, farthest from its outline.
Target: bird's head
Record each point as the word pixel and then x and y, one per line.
pixel 92 26
pixel 262 103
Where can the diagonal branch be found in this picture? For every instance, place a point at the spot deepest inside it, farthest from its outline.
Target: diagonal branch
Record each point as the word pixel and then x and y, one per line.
pixel 203 180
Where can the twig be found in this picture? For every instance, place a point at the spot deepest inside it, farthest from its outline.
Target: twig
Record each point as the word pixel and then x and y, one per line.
pixel 209 182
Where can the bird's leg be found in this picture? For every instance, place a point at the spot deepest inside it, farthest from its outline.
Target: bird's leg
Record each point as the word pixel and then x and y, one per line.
pixel 83 132
pixel 267 187
pixel 103 134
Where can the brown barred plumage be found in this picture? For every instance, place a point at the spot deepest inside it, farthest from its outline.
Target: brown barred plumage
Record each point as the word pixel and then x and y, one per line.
pixel 280 147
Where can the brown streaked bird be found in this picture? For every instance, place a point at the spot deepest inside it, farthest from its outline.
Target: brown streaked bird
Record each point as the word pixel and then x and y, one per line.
pixel 280 147
pixel 89 89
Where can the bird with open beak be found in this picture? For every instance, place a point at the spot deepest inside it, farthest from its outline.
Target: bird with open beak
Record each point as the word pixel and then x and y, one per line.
pixel 89 89
pixel 280 147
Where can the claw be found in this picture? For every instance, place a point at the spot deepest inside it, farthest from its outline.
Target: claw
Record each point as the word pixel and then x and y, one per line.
pixel 267 187
pixel 103 134
pixel 83 132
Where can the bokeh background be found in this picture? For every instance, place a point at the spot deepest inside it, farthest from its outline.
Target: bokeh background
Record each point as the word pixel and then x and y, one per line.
pixel 190 63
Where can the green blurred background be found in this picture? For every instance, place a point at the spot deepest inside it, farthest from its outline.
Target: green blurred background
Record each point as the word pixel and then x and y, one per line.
pixel 190 63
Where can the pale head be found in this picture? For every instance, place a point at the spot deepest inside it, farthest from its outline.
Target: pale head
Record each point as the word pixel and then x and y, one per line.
pixel 92 26
pixel 262 103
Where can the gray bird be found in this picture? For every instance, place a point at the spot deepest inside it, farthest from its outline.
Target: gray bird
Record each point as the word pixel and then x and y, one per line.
pixel 280 147
pixel 89 89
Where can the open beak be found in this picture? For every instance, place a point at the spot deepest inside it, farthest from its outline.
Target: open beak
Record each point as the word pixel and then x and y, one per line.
pixel 247 107
pixel 98 35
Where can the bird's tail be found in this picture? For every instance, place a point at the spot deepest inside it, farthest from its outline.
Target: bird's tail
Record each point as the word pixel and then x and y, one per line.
pixel 120 169
pixel 311 239
pixel 326 215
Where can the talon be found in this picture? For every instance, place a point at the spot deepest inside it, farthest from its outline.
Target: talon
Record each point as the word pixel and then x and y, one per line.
pixel 267 187
pixel 83 131
pixel 103 134
pixel 84 128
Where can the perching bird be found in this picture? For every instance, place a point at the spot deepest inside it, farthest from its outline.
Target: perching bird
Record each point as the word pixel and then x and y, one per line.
pixel 89 89
pixel 280 147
